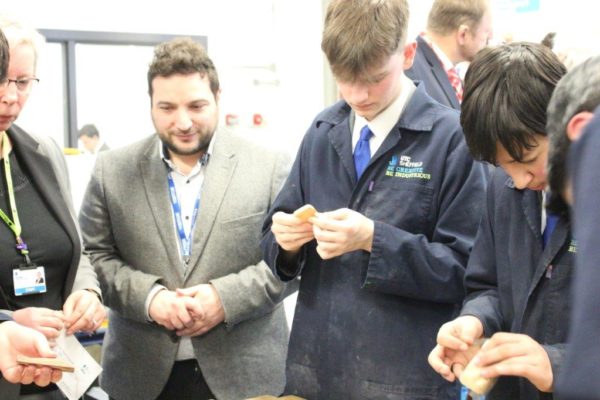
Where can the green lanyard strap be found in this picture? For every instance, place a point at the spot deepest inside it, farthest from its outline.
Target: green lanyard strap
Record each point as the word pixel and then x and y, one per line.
pixel 15 224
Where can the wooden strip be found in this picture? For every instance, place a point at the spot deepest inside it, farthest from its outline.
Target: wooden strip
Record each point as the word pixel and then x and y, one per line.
pixel 54 363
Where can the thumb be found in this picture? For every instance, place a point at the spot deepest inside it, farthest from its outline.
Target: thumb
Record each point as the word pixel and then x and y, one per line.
pixel 69 305
pixel 43 347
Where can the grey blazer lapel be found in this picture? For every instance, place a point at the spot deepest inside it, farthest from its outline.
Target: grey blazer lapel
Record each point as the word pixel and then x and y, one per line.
pixel 217 178
pixel 154 181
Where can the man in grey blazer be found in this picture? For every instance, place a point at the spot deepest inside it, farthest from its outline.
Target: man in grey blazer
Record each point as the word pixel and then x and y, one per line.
pixel 172 225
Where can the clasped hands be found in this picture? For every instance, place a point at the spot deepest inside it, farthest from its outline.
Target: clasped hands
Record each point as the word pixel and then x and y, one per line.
pixel 336 232
pixel 191 311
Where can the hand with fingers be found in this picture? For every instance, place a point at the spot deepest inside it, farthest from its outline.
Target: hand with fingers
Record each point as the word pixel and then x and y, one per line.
pixel 206 295
pixel 342 231
pixel 83 311
pixel 513 354
pixel 47 321
pixel 456 345
pixel 173 311
pixel 16 340
pixel 291 232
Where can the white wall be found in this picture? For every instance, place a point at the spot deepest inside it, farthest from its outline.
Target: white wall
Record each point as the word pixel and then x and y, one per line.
pixel 267 53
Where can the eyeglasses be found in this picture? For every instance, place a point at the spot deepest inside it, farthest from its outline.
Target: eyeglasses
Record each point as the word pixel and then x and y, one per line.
pixel 23 85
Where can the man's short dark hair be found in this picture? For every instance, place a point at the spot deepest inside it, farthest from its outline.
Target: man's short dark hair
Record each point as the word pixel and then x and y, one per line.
pixel 89 130
pixel 507 90
pixel 182 56
pixel 577 92
pixel 4 56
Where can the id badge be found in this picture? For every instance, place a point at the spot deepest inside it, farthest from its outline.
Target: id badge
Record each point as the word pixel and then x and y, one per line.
pixel 29 279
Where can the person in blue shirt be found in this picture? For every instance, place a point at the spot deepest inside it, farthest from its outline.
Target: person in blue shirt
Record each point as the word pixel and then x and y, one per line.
pixel 517 283
pixel 573 171
pixel 398 199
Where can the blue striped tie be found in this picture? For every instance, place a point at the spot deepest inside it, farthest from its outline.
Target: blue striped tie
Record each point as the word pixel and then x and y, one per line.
pixel 362 151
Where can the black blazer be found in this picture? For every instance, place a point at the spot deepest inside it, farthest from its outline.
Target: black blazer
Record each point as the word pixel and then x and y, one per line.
pixel 429 69
pixel 48 170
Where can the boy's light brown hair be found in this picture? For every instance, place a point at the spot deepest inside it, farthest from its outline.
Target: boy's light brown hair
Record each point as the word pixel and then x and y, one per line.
pixel 360 35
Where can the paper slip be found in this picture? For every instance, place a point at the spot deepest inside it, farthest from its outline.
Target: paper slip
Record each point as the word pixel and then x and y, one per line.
pixel 86 368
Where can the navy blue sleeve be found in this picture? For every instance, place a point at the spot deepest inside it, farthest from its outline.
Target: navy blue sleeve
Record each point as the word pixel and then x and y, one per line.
pixel 412 265
pixel 4 317
pixel 481 280
pixel 582 366
pixel 289 199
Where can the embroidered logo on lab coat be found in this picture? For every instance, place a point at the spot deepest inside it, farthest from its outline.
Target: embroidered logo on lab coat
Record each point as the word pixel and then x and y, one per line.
pixel 404 167
pixel 573 246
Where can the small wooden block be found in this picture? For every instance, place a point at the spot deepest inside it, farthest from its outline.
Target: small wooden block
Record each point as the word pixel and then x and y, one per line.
pixel 54 363
pixel 305 212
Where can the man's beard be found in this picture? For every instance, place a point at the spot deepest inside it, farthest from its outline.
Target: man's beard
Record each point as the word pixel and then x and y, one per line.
pixel 201 147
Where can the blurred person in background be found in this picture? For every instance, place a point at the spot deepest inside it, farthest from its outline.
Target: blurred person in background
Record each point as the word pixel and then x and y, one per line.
pixel 90 138
pixel 456 31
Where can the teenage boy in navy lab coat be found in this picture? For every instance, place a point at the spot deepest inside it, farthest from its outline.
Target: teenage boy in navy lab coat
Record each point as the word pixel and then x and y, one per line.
pixel 398 197
pixel 517 281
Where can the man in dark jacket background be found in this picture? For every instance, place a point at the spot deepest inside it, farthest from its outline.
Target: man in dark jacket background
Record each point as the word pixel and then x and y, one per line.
pixel 456 31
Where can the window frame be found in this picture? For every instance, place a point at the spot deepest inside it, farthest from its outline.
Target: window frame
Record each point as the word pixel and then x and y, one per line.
pixel 70 38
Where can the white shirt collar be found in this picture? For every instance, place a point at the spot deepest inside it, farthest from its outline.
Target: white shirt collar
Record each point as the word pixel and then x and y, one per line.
pixel 171 165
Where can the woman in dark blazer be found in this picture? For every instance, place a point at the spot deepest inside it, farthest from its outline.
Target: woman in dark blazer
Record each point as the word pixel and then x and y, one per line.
pixel 38 232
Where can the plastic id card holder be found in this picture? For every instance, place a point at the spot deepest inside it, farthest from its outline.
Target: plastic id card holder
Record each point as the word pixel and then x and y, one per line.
pixel 29 279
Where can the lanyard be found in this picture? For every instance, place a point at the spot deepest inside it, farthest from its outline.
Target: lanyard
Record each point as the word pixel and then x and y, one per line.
pixel 185 240
pixel 14 226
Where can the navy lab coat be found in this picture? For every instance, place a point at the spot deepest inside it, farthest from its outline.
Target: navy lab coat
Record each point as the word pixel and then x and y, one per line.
pixel 365 323
pixel 515 285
